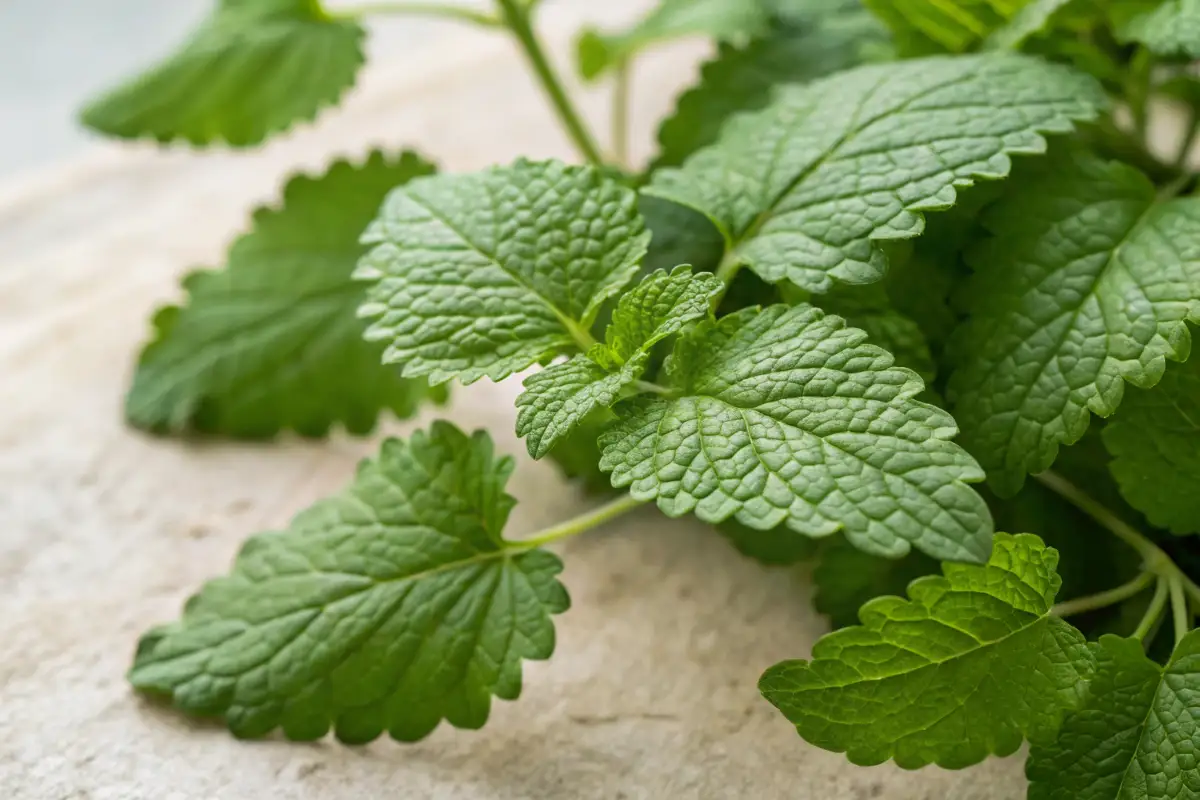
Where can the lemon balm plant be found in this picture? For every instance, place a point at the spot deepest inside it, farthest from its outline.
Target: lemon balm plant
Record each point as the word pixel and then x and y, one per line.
pixel 901 274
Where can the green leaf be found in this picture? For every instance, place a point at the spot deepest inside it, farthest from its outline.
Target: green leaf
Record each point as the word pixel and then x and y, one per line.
pixel 870 308
pixel 388 607
pixel 778 547
pixel 597 52
pixel 846 578
pixel 558 398
pixel 481 275
pixel 658 307
pixel 255 67
pixel 1033 18
pixel 1155 443
pixel 742 78
pixel 1135 737
pixel 1167 27
pixel 271 342
pixel 680 235
pixel 924 26
pixel 787 416
pixel 969 666
pixel 806 189
pixel 1086 283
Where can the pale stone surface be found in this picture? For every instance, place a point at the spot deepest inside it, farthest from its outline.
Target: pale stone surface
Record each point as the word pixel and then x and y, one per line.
pixel 651 693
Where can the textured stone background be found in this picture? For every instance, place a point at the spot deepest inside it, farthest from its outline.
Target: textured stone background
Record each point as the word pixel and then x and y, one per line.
pixel 651 693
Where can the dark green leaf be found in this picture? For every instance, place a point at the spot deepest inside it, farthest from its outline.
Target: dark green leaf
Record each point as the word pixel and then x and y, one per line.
pixel 271 341
pixel 388 607
pixel 255 67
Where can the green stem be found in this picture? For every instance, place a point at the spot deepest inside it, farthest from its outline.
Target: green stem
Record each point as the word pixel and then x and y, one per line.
pixel 1138 91
pixel 1189 138
pixel 577 525
pixel 653 388
pixel 1155 559
pixel 1105 599
pixel 421 9
pixel 515 14
pixel 1179 608
pixel 1153 612
pixel 1173 188
pixel 620 114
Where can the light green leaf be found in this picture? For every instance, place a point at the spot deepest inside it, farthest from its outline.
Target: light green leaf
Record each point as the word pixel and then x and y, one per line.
pixel 787 416
pixel 742 78
pixel 255 67
pixel 846 578
pixel 557 399
pixel 1168 27
pixel 388 607
pixel 969 666
pixel 1135 737
pixel 1155 444
pixel 1034 17
pixel 1086 283
pixel 271 342
pixel 481 275
pixel 658 307
pixel 597 52
pixel 806 189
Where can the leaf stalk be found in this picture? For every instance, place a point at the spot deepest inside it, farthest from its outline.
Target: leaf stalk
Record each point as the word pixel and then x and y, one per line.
pixel 456 13
pixel 577 525
pixel 1107 598
pixel 1153 612
pixel 1154 558
pixel 515 16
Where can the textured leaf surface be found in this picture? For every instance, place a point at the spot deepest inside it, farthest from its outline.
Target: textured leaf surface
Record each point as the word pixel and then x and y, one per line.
pixel 1137 735
pixel 1169 28
pixel 271 341
pixel 255 67
pixel 658 307
pixel 969 666
pixel 846 578
pixel 806 188
pixel 558 398
pixel 1086 283
pixel 787 416
pixel 671 19
pixel 741 78
pixel 1155 443
pixel 389 607
pixel 481 275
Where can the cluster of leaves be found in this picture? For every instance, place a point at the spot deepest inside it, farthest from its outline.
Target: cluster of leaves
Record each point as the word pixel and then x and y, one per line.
pixel 851 246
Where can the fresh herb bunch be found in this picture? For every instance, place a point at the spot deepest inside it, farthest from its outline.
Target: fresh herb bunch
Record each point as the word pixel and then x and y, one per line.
pixel 890 261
